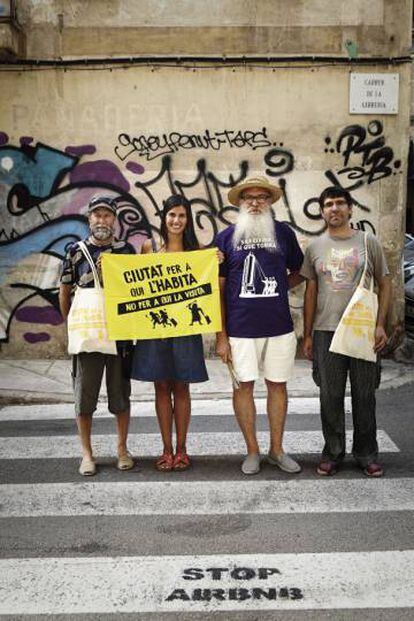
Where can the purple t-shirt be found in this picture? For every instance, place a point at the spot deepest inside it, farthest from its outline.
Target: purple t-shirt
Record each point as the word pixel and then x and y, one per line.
pixel 256 274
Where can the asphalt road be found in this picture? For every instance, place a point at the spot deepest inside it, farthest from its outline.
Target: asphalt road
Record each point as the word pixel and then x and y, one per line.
pixel 208 543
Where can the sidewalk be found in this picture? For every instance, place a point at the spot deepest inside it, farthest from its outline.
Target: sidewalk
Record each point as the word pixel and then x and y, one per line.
pixel 49 381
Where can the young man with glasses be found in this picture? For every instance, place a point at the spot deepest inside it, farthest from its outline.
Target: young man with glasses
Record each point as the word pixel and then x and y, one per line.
pixel 333 266
pixel 262 259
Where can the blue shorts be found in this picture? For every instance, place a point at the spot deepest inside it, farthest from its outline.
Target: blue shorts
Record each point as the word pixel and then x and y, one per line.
pixel 180 358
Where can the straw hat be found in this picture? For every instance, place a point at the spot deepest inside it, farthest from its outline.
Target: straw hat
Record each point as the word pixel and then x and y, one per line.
pixel 253 182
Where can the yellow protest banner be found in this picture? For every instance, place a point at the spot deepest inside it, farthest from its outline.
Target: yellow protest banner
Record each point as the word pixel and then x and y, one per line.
pixel 161 295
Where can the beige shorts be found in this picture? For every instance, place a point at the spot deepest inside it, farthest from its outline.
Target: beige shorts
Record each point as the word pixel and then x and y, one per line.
pixel 277 358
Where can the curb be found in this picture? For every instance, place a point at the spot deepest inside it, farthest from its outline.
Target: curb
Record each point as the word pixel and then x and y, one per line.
pixel 394 375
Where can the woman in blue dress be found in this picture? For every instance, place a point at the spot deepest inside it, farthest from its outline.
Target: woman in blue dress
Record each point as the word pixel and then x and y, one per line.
pixel 172 363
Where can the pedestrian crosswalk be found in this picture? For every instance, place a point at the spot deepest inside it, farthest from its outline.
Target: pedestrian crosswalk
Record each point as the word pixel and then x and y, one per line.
pixel 144 409
pixel 205 541
pixel 206 497
pixel 229 583
pixel 148 444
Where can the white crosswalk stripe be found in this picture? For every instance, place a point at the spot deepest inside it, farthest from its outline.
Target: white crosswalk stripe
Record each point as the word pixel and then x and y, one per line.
pixel 116 584
pixel 144 409
pixel 158 584
pixel 149 444
pixel 205 497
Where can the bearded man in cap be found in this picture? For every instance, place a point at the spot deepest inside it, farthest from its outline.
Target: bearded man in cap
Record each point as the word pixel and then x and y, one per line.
pixel 262 260
pixel 88 367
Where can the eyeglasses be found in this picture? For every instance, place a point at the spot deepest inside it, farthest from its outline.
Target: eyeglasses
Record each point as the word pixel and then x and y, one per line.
pixel 338 202
pixel 260 198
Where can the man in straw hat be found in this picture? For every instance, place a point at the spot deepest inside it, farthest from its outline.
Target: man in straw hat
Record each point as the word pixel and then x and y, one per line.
pixel 262 259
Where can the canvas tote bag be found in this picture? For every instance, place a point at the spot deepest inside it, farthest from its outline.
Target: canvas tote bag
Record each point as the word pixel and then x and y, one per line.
pixel 87 331
pixel 354 335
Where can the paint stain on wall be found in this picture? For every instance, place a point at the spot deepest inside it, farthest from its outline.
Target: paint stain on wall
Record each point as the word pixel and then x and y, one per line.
pixel 36 337
pixel 39 314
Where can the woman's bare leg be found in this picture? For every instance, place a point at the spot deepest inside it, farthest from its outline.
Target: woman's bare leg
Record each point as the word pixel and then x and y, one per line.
pixel 182 413
pixel 164 409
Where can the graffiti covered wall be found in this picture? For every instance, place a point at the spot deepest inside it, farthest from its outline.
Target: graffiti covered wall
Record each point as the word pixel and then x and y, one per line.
pixel 141 134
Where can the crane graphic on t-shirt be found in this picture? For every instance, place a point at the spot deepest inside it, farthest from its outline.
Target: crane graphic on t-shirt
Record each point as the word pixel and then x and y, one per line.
pixel 255 283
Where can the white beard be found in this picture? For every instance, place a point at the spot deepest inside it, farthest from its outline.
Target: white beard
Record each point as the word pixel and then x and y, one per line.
pixel 102 232
pixel 255 226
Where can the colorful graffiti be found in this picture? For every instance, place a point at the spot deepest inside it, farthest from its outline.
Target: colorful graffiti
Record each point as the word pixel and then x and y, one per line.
pixel 366 160
pixel 44 193
pixel 43 197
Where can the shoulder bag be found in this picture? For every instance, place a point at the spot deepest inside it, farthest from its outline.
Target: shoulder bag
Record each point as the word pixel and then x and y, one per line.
pixel 355 334
pixel 87 330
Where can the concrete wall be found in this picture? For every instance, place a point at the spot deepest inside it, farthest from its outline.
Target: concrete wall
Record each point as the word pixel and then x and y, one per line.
pixel 143 132
pixel 58 28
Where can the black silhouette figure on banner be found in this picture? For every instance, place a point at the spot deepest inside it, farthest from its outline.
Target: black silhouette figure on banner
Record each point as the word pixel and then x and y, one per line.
pixel 197 314
pixel 165 320
pixel 162 319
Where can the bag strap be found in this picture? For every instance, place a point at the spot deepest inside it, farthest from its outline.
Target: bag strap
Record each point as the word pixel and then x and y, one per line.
pixel 87 255
pixel 364 273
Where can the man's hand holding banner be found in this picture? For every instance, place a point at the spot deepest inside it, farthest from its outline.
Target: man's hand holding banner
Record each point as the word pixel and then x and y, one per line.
pixel 161 295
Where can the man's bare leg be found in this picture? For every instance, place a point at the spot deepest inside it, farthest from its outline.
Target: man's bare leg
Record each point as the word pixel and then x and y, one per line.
pixel 84 423
pixel 245 411
pixel 276 410
pixel 87 466
pixel 122 423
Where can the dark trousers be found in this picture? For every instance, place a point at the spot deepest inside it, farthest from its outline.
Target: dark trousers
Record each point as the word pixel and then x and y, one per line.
pixel 330 373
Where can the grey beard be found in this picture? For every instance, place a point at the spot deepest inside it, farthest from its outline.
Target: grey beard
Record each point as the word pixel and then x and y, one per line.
pixel 102 232
pixel 259 227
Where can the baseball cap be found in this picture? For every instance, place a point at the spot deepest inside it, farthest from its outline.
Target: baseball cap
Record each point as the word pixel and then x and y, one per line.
pixel 108 202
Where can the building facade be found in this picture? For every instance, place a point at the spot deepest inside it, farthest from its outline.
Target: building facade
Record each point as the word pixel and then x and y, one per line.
pixel 141 99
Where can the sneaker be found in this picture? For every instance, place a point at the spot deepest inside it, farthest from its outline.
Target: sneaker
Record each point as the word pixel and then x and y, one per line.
pixel 373 470
pixel 284 462
pixel 327 468
pixel 251 464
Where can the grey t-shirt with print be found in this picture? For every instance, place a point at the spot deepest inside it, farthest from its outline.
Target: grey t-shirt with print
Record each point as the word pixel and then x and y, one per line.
pixel 337 265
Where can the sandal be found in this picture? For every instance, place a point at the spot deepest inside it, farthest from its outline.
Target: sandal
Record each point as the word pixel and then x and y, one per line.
pixel 165 462
pixel 327 468
pixel 373 470
pixel 125 462
pixel 87 467
pixel 181 461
